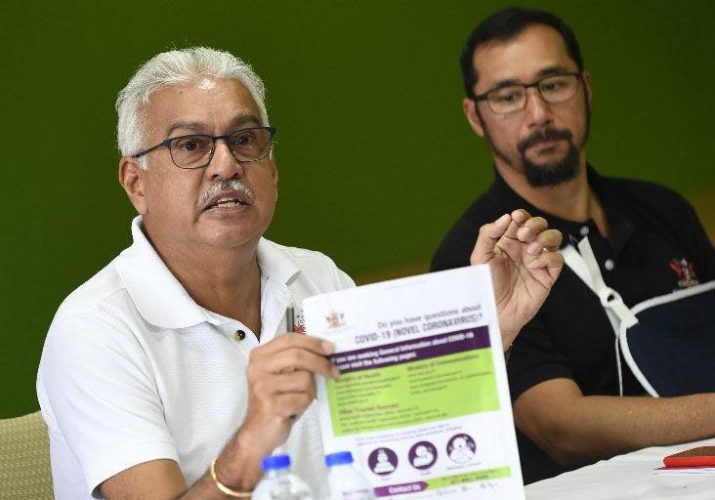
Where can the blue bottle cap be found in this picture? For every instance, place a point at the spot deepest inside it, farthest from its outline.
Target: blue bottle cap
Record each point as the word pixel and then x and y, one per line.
pixel 275 462
pixel 339 458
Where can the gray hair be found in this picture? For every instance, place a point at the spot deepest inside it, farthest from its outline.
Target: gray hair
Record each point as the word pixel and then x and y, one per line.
pixel 176 67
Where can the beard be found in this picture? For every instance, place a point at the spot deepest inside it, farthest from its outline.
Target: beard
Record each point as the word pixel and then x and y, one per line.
pixel 554 173
pixel 550 174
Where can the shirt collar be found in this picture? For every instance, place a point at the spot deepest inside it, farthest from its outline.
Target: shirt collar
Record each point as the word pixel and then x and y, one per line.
pixel 274 263
pixel 162 300
pixel 620 225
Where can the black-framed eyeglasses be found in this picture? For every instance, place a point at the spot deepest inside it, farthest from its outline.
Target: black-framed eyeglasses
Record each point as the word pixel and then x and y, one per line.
pixel 197 150
pixel 511 98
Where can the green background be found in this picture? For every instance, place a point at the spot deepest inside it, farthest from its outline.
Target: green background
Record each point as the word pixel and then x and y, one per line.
pixel 376 158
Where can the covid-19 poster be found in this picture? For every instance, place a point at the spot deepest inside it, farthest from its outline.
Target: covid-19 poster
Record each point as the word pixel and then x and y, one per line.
pixel 422 401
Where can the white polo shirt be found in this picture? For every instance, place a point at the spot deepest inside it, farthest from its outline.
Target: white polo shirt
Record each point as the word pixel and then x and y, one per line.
pixel 134 370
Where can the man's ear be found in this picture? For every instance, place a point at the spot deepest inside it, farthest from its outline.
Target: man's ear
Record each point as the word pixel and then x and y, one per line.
pixel 272 168
pixel 587 85
pixel 131 177
pixel 469 106
pixel 274 172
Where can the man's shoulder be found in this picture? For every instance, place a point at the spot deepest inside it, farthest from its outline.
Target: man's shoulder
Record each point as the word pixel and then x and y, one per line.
pixel 98 312
pixel 98 289
pixel 304 259
pixel 93 318
pixel 297 254
pixel 314 266
pixel 645 190
pixel 650 198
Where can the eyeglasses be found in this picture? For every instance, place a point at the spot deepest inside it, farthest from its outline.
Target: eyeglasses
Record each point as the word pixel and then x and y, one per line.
pixel 512 98
pixel 196 151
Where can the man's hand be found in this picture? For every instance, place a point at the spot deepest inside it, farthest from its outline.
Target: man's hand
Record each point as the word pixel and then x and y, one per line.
pixel 281 386
pixel 523 256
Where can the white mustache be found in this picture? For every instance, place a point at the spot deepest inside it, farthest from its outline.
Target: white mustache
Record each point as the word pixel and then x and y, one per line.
pixel 233 185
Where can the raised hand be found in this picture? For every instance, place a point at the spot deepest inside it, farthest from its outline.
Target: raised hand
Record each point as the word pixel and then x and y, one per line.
pixel 523 256
pixel 280 386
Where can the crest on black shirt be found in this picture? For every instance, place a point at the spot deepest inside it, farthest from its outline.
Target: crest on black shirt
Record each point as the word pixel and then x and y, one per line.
pixel 686 273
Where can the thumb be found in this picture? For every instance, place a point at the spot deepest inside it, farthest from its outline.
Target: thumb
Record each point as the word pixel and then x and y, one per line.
pixel 489 235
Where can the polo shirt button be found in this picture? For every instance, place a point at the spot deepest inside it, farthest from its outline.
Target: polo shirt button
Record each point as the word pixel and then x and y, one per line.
pixel 584 230
pixel 239 335
pixel 609 265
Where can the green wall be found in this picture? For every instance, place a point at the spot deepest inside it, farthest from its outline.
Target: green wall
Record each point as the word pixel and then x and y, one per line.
pixel 376 158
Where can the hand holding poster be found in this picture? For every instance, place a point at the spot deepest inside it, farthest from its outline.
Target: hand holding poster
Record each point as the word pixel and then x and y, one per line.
pixel 422 401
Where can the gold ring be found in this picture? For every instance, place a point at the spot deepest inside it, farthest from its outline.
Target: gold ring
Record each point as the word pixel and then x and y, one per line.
pixel 545 250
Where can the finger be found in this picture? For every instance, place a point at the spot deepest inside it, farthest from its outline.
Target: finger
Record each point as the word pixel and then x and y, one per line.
pixel 487 239
pixel 520 216
pixel 300 381
pixel 272 385
pixel 511 232
pixel 531 228
pixel 549 240
pixel 289 360
pixel 292 341
pixel 553 262
pixel 290 405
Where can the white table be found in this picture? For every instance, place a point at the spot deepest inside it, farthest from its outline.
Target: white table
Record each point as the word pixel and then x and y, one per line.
pixel 627 477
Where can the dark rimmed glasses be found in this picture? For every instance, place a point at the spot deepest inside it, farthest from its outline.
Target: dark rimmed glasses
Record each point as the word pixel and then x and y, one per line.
pixel 197 150
pixel 511 98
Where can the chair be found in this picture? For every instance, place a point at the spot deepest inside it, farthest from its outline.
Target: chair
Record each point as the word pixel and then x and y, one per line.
pixel 25 472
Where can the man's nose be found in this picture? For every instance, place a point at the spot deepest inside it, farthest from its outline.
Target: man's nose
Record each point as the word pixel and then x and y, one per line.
pixel 538 111
pixel 223 164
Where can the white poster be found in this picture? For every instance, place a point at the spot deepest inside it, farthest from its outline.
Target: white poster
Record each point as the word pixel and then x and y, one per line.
pixel 422 401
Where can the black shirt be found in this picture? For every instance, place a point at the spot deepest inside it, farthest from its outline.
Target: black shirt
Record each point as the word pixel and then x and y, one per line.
pixel 653 233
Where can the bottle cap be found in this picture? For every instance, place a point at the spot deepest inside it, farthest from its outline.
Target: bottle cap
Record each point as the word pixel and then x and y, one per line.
pixel 275 462
pixel 339 458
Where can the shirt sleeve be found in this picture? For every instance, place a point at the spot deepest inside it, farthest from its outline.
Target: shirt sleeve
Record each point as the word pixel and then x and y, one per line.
pixel 683 224
pixel 535 359
pixel 344 281
pixel 96 387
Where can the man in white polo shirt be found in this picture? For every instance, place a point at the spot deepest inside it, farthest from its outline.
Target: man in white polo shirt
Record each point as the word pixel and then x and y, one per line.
pixel 165 375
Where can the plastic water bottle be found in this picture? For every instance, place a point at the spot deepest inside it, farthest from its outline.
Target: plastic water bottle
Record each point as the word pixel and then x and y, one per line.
pixel 278 482
pixel 345 482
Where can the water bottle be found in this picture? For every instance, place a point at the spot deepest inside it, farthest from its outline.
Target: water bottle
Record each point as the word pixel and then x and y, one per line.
pixel 345 482
pixel 278 482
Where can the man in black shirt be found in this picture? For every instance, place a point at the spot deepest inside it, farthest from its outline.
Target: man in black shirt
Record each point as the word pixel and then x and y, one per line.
pixel 529 97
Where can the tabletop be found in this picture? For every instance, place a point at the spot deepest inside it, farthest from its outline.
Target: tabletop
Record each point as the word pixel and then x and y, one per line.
pixel 627 477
